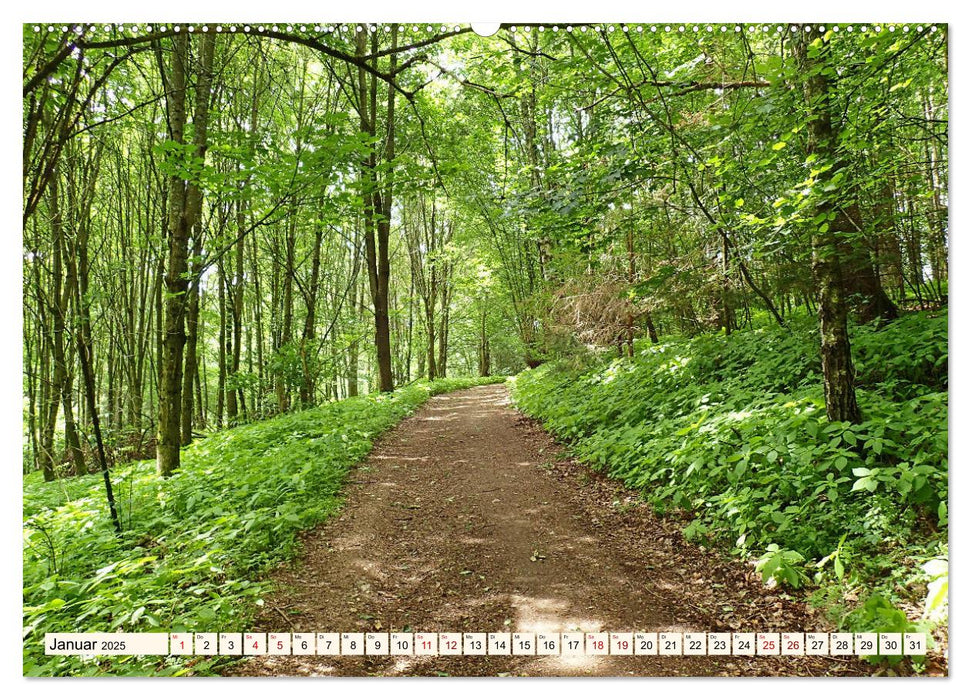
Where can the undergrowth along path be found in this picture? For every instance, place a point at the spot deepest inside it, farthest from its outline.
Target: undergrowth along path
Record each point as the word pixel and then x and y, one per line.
pixel 468 517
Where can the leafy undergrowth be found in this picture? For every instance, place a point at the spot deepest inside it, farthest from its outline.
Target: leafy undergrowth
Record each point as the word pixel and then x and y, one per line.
pixel 732 434
pixel 194 545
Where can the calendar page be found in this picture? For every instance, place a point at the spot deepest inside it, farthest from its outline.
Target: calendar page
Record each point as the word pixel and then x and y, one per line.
pixel 593 345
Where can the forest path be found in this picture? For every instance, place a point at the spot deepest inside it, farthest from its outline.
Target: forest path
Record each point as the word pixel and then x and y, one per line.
pixel 467 517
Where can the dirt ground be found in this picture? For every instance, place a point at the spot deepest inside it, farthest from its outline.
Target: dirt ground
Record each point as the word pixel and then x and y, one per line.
pixel 468 517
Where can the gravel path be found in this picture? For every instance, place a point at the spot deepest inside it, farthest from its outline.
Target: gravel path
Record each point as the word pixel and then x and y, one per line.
pixel 468 517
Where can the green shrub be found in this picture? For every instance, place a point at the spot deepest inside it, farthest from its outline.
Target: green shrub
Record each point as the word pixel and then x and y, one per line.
pixel 733 430
pixel 909 355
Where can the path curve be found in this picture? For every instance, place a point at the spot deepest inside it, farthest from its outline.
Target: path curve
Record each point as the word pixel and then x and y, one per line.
pixel 468 517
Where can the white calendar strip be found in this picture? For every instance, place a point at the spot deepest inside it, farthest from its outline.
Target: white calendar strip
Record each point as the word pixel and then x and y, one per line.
pixel 490 644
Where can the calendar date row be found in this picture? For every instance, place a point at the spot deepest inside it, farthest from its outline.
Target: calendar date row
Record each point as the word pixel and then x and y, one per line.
pixel 490 643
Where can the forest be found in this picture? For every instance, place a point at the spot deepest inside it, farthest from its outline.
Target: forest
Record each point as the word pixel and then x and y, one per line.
pixel 710 260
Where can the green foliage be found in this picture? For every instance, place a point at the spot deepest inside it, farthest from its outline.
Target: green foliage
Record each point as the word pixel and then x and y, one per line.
pixel 915 361
pixel 287 363
pixel 782 566
pixel 196 544
pixel 878 614
pixel 733 431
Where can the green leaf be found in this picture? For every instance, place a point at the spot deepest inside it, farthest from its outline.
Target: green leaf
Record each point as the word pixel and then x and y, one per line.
pixel 137 614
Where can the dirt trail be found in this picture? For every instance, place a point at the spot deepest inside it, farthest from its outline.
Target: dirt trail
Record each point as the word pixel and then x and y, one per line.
pixel 467 517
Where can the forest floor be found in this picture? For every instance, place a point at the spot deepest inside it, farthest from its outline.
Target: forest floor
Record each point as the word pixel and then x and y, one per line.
pixel 468 517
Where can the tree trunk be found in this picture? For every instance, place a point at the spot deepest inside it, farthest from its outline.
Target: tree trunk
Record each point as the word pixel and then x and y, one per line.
pixel 354 347
pixel 221 355
pixel 433 371
pixel 651 330
pixel 258 322
pixel 484 354
pixel 192 342
pixel 170 384
pixel 310 325
pixel 184 208
pixel 377 209
pixel 286 333
pixel 442 366
pixel 861 281
pixel 631 276
pixel 838 374
pixel 56 338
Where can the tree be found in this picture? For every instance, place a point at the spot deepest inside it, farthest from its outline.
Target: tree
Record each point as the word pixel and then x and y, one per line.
pixel 184 213
pixel 345 209
pixel 378 194
pixel 831 226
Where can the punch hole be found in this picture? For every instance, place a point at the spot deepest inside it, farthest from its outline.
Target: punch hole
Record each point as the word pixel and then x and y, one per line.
pixel 485 28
